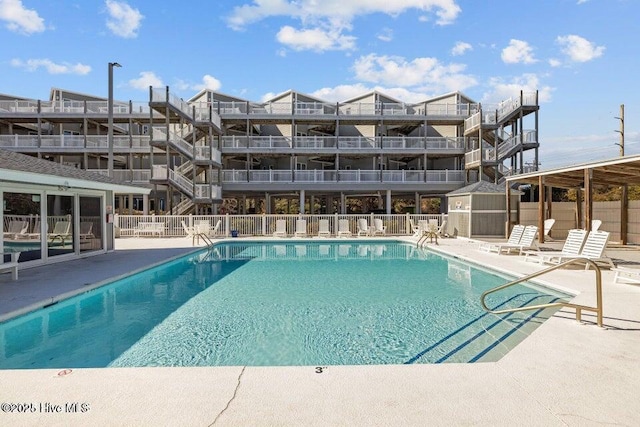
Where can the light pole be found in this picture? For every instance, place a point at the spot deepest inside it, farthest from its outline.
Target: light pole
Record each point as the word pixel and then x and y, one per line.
pixel 110 119
pixel 621 131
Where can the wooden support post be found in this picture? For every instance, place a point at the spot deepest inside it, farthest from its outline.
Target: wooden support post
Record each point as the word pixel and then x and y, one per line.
pixel 588 198
pixel 540 209
pixel 579 207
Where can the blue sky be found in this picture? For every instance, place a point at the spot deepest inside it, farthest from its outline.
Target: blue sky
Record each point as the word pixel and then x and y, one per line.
pixel 581 55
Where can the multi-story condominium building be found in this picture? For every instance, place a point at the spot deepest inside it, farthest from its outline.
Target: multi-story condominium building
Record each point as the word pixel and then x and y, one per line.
pixel 319 154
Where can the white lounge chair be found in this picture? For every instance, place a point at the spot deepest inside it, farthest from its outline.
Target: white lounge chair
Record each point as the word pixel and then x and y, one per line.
pixel 86 230
pixel 34 234
pixel 343 228
pixel 548 225
pixel 203 227
pixel 572 247
pixel 415 229
pixel 61 230
pixel 190 232
pixel 592 250
pixel 363 227
pixel 442 230
pixel 323 228
pixel 216 229
pixel 378 227
pixel 281 228
pixel 595 224
pixel 301 228
pixel 514 239
pixel 527 241
pixel 15 229
pixel 626 275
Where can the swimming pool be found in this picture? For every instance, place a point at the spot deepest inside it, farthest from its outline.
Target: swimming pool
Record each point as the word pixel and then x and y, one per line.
pixel 304 303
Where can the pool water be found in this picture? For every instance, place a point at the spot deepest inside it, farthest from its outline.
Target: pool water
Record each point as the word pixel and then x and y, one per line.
pixel 309 303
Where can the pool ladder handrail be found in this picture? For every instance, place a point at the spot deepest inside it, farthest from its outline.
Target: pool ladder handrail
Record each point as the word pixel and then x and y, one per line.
pixel 578 307
pixel 207 239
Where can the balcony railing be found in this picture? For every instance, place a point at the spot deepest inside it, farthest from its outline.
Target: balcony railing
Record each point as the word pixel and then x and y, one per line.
pixel 344 142
pixel 347 109
pixel 126 175
pixel 346 176
pixel 72 107
pixel 73 141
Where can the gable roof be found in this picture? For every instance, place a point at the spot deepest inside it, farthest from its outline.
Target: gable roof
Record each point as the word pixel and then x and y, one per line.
pixel 17 167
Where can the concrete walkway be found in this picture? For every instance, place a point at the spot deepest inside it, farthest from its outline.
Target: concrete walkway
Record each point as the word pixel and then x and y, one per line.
pixel 565 373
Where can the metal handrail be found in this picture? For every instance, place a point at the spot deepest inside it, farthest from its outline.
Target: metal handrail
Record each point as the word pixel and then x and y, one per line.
pixel 578 307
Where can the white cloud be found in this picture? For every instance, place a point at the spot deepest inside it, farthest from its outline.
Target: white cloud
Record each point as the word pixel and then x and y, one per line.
pixel 446 11
pixel 51 67
pixel 209 82
pixel 386 34
pixel 20 19
pixel 124 21
pixel 147 78
pixel 325 21
pixel 517 52
pixel 501 89
pixel 579 49
pixel 461 48
pixel 315 39
pixel 425 74
pixel 555 62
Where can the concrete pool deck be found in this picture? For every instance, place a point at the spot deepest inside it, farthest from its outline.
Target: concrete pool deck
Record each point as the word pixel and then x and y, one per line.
pixel 565 373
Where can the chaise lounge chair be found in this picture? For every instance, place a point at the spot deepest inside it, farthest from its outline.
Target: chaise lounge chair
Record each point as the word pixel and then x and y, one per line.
pixel 378 227
pixel 572 247
pixel 626 275
pixel 514 239
pixel 281 228
pixel 61 230
pixel 363 227
pixel 323 228
pixel 301 228
pixel 343 228
pixel 592 250
pixel 15 229
pixel 527 241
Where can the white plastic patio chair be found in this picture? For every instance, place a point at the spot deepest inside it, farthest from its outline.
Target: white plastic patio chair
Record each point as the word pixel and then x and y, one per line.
pixel 343 228
pixel 514 239
pixel 378 227
pixel 323 228
pixel 572 247
pixel 281 228
pixel 301 228
pixel 592 250
pixel 363 227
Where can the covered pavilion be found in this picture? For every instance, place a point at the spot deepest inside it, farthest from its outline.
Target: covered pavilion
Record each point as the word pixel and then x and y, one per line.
pixel 621 171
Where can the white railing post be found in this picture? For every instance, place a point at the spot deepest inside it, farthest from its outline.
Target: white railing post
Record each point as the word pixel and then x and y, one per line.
pixel 227 223
pixel 264 224
pixel 191 221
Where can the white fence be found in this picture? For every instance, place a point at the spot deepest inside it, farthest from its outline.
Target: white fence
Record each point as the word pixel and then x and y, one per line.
pixel 265 225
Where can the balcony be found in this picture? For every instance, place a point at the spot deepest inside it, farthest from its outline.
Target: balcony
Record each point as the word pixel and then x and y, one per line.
pixel 320 109
pixel 74 142
pixel 342 176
